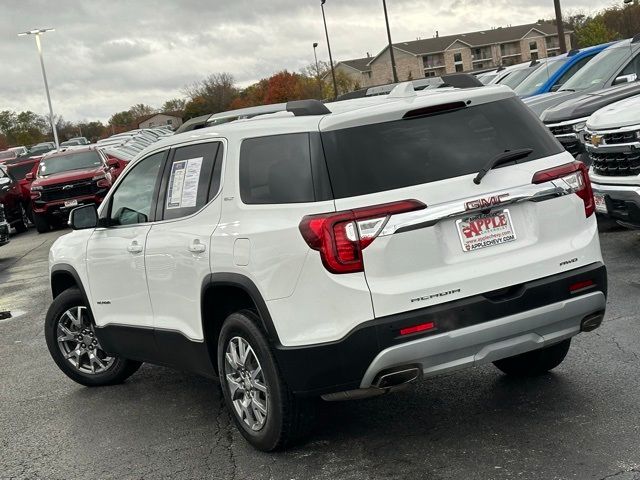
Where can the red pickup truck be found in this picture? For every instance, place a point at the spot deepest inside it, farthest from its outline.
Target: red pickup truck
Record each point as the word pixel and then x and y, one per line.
pixel 67 179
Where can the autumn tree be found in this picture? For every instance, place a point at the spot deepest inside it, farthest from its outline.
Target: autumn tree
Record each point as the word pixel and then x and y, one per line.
pixel 211 95
pixel 173 105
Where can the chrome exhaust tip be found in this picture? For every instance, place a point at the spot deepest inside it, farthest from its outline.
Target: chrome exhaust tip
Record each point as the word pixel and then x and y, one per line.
pixel 387 381
pixel 591 322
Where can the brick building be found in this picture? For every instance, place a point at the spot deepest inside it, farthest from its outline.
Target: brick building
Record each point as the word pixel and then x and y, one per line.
pixel 465 52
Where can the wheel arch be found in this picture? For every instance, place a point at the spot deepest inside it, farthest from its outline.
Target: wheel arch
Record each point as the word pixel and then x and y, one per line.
pixel 63 277
pixel 239 293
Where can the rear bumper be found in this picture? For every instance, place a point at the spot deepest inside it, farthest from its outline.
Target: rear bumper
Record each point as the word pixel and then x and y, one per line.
pixel 623 203
pixel 468 332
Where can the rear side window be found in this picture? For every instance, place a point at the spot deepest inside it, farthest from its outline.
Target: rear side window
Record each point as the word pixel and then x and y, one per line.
pixel 189 181
pixel 413 151
pixel 276 169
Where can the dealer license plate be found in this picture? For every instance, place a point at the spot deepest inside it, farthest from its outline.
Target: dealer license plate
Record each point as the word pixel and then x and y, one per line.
pixel 485 230
pixel 71 203
pixel 601 204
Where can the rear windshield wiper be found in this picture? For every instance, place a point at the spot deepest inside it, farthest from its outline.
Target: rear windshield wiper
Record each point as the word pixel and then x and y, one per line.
pixel 501 158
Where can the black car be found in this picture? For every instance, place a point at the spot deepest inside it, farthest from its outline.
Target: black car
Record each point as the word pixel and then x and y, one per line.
pixel 4 227
pixel 567 121
pixel 15 213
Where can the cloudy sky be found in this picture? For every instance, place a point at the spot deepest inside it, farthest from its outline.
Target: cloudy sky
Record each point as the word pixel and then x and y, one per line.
pixel 108 55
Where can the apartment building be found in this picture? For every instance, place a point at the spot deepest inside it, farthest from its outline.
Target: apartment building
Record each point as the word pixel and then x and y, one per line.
pixel 464 52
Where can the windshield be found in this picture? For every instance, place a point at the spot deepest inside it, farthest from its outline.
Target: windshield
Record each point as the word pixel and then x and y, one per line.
pixel 7 154
pixel 76 161
pixel 516 77
pixel 598 70
pixel 538 78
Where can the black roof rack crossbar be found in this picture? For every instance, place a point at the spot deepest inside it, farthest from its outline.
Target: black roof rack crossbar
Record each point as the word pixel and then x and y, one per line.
pixel 301 108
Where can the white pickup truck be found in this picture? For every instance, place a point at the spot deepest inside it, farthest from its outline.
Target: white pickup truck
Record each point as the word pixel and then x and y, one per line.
pixel 613 143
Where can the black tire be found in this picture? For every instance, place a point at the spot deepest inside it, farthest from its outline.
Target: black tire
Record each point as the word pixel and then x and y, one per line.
pixel 536 362
pixel 288 417
pixel 117 372
pixel 22 225
pixel 41 223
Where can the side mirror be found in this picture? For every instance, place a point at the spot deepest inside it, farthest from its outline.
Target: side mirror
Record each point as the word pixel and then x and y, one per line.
pixel 4 181
pixel 83 217
pixel 30 176
pixel 625 79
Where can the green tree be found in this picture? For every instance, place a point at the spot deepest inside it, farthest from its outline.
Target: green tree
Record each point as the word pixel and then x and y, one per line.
pixel 211 95
pixel 121 119
pixel 174 105
pixel 594 32
pixel 141 110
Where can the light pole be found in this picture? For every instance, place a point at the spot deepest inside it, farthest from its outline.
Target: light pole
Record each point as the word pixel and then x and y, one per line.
pixel 393 58
pixel 37 33
pixel 315 45
pixel 326 32
pixel 560 26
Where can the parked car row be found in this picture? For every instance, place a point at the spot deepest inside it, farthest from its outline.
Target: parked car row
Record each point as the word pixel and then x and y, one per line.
pixel 42 185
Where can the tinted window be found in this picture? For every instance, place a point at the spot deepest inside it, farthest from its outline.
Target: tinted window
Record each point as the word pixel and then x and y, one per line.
pixel 188 177
pixel 132 201
pixel 19 171
pixel 632 67
pixel 385 156
pixel 276 169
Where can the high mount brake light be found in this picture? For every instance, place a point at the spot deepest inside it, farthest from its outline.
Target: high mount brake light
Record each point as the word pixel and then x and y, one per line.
pixel 340 237
pixel 574 174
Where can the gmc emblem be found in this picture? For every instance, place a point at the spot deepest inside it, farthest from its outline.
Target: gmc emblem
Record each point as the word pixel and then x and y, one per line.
pixel 486 202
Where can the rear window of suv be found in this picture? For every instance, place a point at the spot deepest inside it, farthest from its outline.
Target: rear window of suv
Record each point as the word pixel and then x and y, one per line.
pixel 418 150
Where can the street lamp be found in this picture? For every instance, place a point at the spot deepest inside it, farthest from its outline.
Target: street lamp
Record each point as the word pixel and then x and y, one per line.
pixel 37 33
pixel 393 58
pixel 326 32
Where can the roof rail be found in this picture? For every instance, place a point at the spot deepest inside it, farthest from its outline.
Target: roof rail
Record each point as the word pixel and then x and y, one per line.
pixel 301 108
pixel 534 63
pixel 460 80
pixel 573 52
pixel 636 38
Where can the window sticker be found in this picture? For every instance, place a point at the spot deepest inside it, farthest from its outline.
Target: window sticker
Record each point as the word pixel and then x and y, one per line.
pixel 183 183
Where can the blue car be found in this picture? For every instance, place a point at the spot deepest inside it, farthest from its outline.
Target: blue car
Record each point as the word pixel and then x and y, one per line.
pixel 555 71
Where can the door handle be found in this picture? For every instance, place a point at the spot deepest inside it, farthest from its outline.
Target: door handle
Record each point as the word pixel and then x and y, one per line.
pixel 197 247
pixel 134 247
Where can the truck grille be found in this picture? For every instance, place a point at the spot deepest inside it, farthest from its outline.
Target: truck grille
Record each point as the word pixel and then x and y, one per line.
pixel 69 190
pixel 571 145
pixel 620 137
pixel 561 129
pixel 616 164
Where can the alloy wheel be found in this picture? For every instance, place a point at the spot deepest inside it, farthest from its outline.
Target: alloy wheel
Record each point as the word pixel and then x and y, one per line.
pixel 78 343
pixel 246 383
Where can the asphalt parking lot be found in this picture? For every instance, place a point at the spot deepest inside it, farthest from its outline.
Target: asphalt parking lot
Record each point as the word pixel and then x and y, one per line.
pixel 580 422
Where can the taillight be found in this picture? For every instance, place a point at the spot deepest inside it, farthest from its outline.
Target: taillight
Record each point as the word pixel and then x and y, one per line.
pixel 340 237
pixel 574 174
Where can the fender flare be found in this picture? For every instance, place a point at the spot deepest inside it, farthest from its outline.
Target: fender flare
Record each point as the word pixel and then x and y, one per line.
pixel 246 284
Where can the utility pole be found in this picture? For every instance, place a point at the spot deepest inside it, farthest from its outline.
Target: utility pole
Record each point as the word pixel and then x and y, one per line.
pixel 326 32
pixel 393 58
pixel 560 25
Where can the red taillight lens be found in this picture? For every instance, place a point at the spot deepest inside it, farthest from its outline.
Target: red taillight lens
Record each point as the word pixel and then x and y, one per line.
pixel 340 237
pixel 580 286
pixel 576 175
pixel 423 327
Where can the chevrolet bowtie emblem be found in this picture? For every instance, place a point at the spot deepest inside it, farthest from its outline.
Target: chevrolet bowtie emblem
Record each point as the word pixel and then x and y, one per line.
pixel 596 140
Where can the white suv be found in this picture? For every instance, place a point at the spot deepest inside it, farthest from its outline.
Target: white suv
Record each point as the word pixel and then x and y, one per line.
pixel 335 251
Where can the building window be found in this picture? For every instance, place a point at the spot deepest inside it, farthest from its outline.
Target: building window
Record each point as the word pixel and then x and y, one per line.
pixel 533 49
pixel 457 62
pixel 169 122
pixel 430 73
pixel 459 67
pixel 457 57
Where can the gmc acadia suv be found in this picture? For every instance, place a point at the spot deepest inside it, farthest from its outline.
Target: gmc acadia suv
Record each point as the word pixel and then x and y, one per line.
pixel 65 180
pixel 335 251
